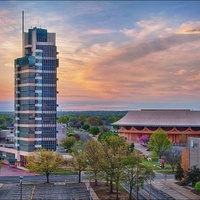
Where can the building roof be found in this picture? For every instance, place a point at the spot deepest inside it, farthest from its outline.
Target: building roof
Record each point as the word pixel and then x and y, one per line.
pixel 175 118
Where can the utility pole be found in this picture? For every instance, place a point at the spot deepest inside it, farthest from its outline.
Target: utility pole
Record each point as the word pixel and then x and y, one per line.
pixel 137 176
pixel 20 179
pixel 150 187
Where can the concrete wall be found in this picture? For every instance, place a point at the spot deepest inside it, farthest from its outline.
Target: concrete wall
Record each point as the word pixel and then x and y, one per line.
pixel 194 152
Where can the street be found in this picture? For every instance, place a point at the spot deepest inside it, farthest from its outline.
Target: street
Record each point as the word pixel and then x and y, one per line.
pixel 38 179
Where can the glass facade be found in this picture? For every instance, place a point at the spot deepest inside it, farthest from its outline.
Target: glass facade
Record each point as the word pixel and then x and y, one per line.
pixel 36 92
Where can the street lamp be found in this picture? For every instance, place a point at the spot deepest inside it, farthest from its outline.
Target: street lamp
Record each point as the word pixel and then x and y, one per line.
pixel 150 187
pixel 20 180
pixel 137 176
pixel 89 187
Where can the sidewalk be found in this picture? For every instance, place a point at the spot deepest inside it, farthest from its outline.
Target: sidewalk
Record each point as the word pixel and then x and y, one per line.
pixel 86 180
pixel 174 190
pixel 93 195
pixel 142 149
pixel 7 170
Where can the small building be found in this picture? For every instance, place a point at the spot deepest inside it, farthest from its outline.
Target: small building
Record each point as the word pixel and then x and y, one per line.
pixel 191 154
pixel 61 128
pixel 178 124
pixel 61 132
pixel 194 152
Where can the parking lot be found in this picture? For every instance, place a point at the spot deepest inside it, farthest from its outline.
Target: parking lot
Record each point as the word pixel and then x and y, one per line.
pixel 58 191
pixel 38 190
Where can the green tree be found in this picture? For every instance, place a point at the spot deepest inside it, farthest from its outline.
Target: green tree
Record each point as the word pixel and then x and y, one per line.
pixel 44 162
pixel 179 174
pixel 2 120
pixel 93 121
pixel 68 142
pixel 159 142
pixel 3 127
pixel 70 130
pixel 92 152
pixel 113 151
pixel 63 119
pixel 106 135
pixel 112 119
pixel 86 127
pixel 82 118
pixel 135 173
pixel 74 120
pixel 193 175
pixel 79 162
pixel 94 130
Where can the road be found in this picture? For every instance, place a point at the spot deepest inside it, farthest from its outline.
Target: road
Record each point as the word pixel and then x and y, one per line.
pixel 162 176
pixel 38 179
pixel 84 136
pixel 149 192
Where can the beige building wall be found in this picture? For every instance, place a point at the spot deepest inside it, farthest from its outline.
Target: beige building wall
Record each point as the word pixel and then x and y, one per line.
pixel 194 152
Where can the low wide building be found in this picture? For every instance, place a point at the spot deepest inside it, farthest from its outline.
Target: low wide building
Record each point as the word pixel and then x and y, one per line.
pixel 179 124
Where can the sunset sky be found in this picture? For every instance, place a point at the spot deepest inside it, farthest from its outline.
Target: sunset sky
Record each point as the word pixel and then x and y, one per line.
pixel 114 55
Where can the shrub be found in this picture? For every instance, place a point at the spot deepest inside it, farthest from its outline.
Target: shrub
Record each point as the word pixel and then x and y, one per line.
pixel 94 130
pixel 193 175
pixel 179 174
pixel 197 186
pixel 86 127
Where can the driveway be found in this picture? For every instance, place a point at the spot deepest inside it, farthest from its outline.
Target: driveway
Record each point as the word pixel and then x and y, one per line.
pixel 7 170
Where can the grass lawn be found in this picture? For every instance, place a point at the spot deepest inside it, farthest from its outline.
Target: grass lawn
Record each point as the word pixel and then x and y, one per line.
pixel 63 171
pixel 154 165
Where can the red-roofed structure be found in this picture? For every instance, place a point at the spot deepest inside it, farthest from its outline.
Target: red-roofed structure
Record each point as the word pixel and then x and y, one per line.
pixel 179 124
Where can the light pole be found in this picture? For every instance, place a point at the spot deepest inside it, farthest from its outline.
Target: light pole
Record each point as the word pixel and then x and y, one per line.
pixel 20 179
pixel 89 187
pixel 137 176
pixel 150 187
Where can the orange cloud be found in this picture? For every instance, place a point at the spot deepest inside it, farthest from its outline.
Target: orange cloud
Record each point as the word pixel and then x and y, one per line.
pixel 189 28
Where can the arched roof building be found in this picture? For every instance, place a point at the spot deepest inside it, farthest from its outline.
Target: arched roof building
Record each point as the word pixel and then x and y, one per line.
pixel 179 124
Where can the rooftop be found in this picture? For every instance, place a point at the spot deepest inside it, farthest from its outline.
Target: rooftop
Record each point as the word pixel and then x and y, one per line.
pixel 160 117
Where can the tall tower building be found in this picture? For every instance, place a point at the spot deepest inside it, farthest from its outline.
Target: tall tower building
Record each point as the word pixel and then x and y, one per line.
pixel 35 92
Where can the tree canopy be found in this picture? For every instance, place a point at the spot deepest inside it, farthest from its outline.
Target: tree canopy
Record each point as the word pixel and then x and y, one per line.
pixel 92 153
pixel 159 142
pixel 172 156
pixel 63 119
pixel 79 162
pixel 44 162
pixel 193 175
pixel 68 142
pixel 94 130
pixel 106 135
pixel 113 151
pixel 2 120
pixel 136 173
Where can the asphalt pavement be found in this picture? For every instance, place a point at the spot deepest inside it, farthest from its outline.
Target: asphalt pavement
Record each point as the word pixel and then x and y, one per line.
pixel 61 191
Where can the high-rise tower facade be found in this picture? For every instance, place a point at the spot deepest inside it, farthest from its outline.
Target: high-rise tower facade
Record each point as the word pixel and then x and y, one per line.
pixel 36 93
